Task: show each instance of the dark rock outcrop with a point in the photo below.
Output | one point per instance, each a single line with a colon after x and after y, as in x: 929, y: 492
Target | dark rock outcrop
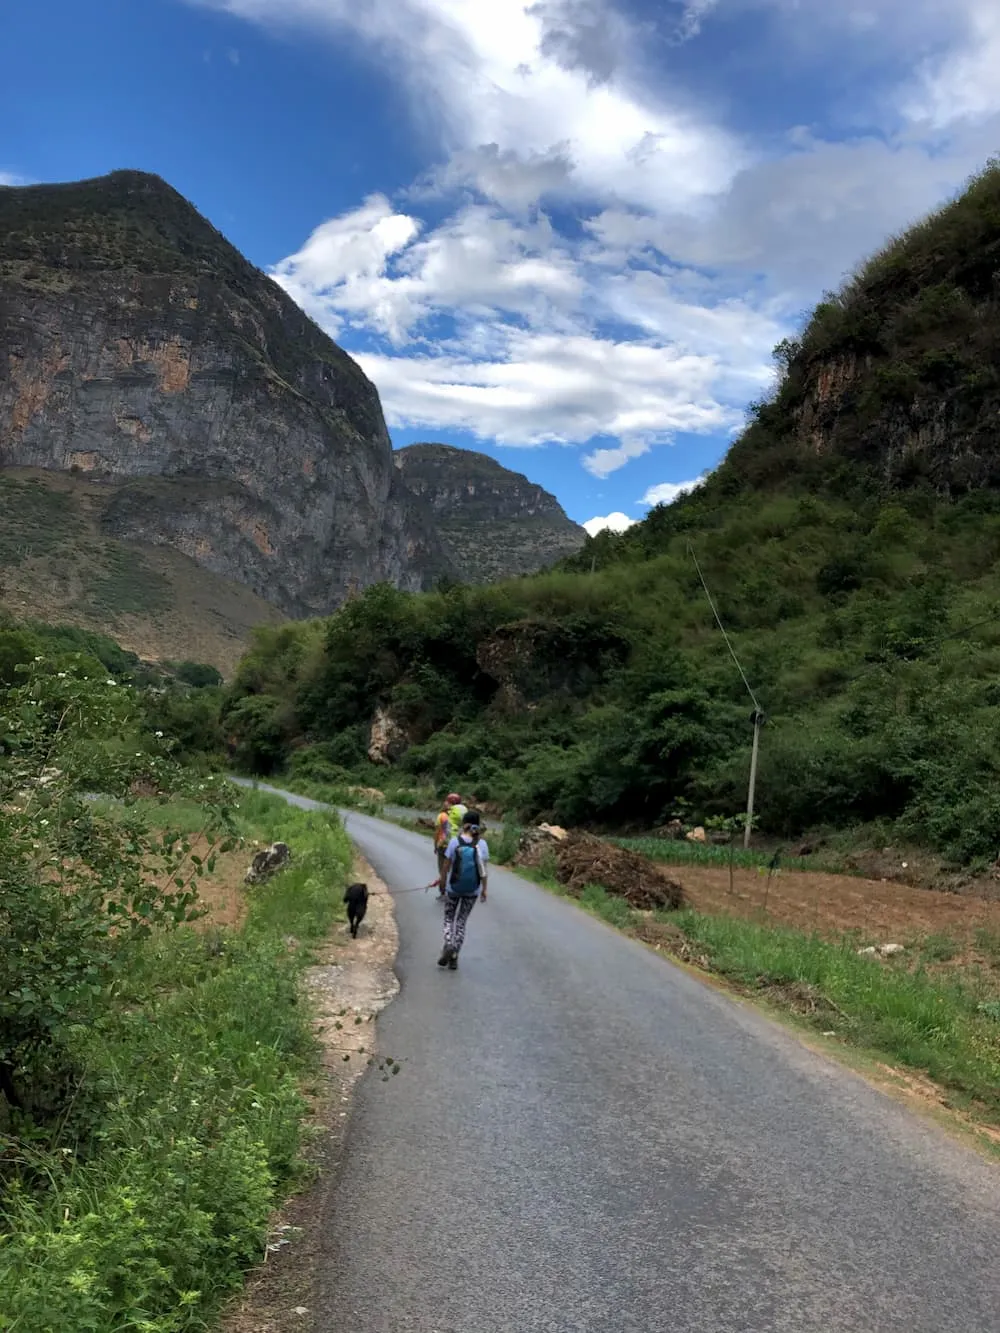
x: 896, y: 377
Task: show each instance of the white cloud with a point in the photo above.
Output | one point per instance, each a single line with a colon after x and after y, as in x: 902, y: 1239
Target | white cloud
x: 616, y: 522
x: 669, y: 491
x: 532, y: 356
x: 342, y: 268
x: 9, y: 178
x: 369, y: 266
x: 551, y: 388
x: 796, y: 223
x: 695, y: 11
x: 521, y: 77
x: 514, y: 180
x: 691, y: 252
x: 962, y: 83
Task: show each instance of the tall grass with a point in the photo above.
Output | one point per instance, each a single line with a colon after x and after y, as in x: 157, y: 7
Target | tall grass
x: 195, y: 1079
x: 927, y: 1021
x: 680, y: 852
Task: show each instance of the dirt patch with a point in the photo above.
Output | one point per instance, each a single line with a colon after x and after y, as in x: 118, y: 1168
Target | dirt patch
x: 581, y: 859
x: 222, y: 894
x: 350, y: 983
x: 918, y: 1089
x: 876, y: 911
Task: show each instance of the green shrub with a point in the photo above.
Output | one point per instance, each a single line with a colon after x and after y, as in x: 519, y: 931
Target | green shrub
x: 197, y: 1112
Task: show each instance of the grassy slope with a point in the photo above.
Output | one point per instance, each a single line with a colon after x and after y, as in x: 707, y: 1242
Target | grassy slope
x: 58, y: 566
x: 202, y: 1066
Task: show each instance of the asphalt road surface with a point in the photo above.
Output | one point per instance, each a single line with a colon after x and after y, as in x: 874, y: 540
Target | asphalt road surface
x: 586, y: 1139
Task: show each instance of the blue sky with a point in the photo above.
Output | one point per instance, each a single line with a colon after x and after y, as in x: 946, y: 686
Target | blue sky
x: 568, y: 232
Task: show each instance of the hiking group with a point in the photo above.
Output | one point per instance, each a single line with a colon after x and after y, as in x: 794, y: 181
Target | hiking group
x: 462, y: 857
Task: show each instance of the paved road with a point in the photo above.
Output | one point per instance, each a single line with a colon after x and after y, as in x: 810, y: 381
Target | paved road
x: 586, y: 1139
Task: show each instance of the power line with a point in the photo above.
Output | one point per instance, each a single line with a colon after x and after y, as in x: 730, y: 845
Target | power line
x: 758, y: 712
x: 718, y: 621
x: 926, y: 644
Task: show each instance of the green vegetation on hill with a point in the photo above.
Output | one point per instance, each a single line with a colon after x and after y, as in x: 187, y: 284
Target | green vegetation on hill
x: 856, y: 570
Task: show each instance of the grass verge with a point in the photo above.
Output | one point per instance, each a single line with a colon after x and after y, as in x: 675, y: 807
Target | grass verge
x: 680, y: 852
x: 195, y: 1076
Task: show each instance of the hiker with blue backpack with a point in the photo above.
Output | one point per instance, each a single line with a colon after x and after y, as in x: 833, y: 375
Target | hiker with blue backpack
x: 467, y: 859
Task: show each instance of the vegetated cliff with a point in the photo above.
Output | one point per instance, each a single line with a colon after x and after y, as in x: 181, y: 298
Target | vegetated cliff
x: 140, y: 349
x: 491, y: 521
x: 899, y: 372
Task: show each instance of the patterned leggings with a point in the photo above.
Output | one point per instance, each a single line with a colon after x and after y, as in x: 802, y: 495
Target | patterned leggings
x: 457, y: 907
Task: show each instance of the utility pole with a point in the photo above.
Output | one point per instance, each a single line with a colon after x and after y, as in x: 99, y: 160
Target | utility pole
x: 758, y: 721
x: 757, y: 717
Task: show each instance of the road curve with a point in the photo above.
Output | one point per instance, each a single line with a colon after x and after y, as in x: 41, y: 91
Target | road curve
x: 586, y: 1139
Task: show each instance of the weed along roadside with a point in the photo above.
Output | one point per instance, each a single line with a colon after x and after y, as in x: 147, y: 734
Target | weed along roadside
x: 160, y: 1070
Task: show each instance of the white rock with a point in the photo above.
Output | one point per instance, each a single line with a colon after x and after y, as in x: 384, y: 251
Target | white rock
x: 891, y: 950
x: 697, y: 835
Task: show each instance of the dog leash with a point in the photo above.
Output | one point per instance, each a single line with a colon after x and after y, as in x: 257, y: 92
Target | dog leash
x: 419, y: 888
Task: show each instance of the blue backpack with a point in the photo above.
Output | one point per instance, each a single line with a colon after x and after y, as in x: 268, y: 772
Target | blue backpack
x: 464, y: 880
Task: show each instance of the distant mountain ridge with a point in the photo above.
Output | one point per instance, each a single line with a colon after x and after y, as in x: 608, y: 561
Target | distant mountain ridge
x: 491, y: 521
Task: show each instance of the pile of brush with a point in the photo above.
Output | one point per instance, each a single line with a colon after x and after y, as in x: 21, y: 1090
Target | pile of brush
x: 579, y: 859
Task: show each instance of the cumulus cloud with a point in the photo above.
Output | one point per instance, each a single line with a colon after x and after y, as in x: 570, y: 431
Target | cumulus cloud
x: 369, y: 266
x: 582, y: 35
x: 798, y: 222
x: 669, y: 491
x: 616, y: 522
x: 961, y: 83
x: 540, y: 344
x: 516, y: 181
x: 599, y: 262
x: 522, y: 77
x: 548, y: 388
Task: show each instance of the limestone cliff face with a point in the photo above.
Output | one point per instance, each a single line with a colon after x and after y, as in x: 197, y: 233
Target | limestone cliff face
x: 138, y: 348
x: 492, y: 522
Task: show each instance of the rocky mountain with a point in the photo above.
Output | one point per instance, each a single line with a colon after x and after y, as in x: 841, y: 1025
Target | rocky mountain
x: 492, y: 522
x: 209, y: 417
x: 138, y: 348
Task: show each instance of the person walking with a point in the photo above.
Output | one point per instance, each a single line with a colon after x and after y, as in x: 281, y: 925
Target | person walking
x: 446, y: 826
x: 467, y: 860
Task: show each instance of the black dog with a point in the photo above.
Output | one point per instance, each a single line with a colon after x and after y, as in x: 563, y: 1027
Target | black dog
x: 356, y: 898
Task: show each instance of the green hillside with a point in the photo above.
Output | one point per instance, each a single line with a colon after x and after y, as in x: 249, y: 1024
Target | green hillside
x: 59, y: 563
x: 851, y: 540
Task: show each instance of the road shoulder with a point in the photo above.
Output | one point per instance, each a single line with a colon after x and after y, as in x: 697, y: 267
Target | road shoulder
x: 347, y: 987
